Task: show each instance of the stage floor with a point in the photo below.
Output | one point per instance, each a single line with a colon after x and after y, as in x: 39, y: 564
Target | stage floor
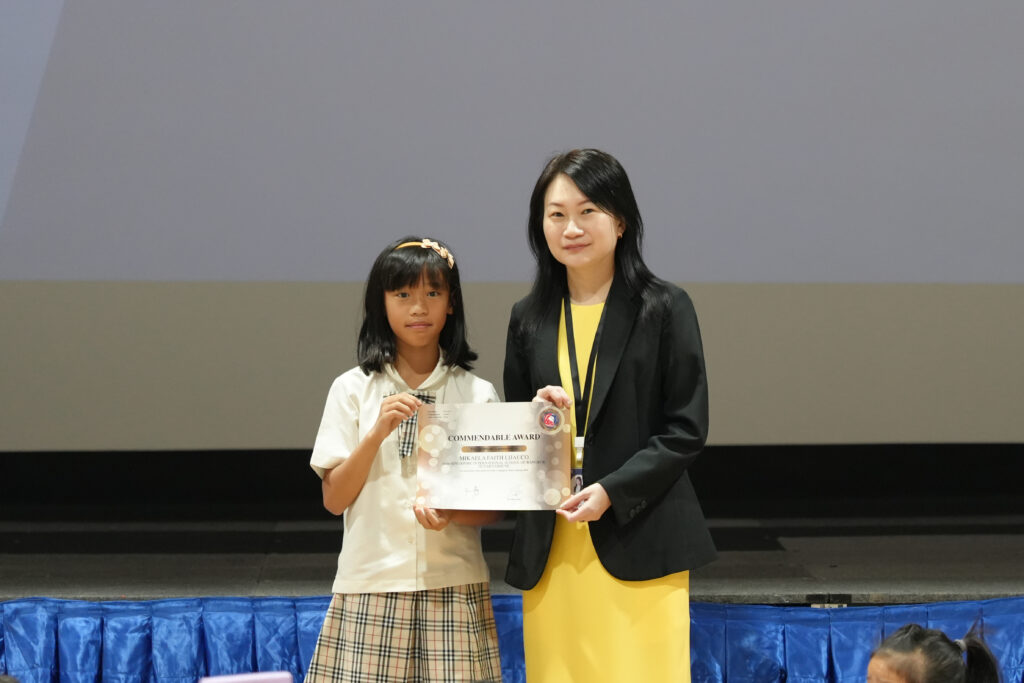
x: 768, y: 561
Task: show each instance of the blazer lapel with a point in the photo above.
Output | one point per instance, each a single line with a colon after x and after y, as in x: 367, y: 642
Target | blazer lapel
x: 620, y: 313
x: 546, y: 345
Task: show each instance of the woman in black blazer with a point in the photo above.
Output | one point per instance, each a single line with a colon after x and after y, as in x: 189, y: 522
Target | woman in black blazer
x: 606, y: 579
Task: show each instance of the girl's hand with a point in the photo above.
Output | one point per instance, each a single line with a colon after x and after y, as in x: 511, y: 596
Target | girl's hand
x: 586, y: 506
x: 432, y: 519
x: 553, y: 394
x: 394, y: 410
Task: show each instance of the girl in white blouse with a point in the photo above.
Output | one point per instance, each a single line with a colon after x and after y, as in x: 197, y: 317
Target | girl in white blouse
x: 411, y: 595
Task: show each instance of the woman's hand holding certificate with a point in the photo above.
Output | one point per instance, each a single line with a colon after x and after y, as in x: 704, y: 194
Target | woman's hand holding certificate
x: 586, y: 506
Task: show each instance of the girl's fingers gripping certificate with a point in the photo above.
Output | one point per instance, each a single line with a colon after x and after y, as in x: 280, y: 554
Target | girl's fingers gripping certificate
x: 493, y: 456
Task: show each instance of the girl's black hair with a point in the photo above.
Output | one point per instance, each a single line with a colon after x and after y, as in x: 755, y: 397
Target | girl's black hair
x: 398, y: 268
x: 603, y: 180
x: 927, y: 655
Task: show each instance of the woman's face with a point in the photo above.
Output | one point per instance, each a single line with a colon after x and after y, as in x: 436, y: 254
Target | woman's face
x: 580, y: 235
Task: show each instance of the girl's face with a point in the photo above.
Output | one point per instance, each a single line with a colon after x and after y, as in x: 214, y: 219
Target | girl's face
x: 879, y: 671
x: 580, y: 235
x: 417, y: 314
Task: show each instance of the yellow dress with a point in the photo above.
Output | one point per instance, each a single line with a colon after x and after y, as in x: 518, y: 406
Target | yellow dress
x: 581, y: 624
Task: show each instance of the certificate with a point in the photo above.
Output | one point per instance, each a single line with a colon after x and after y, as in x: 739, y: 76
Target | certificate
x: 493, y: 456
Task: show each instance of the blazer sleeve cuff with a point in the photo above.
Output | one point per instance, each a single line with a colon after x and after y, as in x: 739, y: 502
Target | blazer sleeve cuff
x: 625, y: 508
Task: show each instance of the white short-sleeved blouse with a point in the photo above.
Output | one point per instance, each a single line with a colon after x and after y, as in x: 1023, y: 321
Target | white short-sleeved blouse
x: 384, y: 548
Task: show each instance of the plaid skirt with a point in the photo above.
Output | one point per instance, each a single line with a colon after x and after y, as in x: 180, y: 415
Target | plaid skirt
x: 443, y: 634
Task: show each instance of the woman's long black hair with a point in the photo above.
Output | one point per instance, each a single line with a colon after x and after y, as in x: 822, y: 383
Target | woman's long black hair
x: 927, y: 655
x: 603, y: 180
x: 396, y: 268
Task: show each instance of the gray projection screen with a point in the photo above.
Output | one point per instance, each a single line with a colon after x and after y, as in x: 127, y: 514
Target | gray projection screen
x: 192, y: 193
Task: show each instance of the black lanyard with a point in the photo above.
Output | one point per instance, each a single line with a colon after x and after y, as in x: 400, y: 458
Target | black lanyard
x: 581, y: 398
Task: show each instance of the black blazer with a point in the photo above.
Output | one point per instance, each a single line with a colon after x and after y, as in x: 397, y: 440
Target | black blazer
x: 649, y: 421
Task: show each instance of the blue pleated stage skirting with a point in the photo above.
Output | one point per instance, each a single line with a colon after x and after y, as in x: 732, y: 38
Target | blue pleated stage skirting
x: 45, y: 640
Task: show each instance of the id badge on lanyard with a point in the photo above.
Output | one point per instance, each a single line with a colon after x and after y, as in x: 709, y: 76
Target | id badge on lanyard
x: 581, y: 395
x: 577, y: 466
